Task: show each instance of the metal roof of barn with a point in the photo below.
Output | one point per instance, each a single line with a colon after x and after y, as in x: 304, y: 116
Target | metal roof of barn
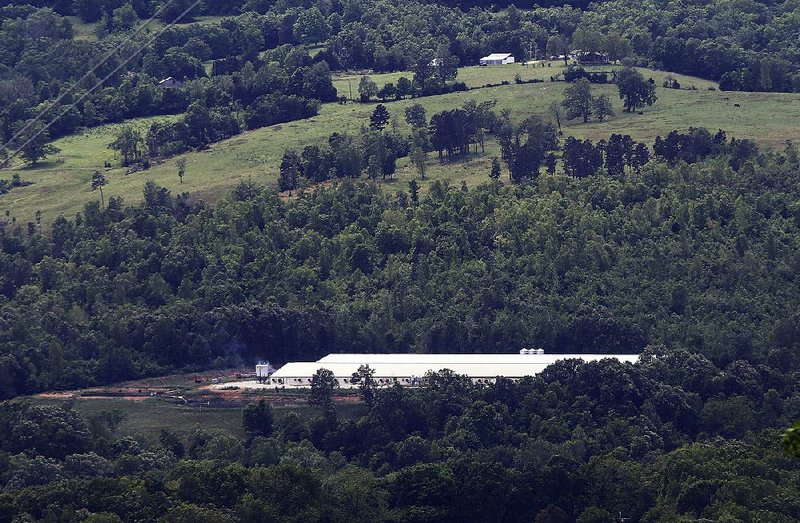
x: 407, y: 365
x: 451, y: 358
x: 496, y: 56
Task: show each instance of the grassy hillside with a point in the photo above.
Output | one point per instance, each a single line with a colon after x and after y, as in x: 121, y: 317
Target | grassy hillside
x: 63, y: 188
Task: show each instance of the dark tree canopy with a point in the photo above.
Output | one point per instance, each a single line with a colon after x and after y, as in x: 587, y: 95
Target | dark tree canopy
x: 323, y: 385
x: 379, y: 118
x: 578, y: 100
x: 524, y: 147
x: 30, y: 141
x: 634, y: 90
x: 257, y: 418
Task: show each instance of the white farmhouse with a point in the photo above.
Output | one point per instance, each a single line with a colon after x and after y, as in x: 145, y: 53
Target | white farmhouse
x: 497, y: 59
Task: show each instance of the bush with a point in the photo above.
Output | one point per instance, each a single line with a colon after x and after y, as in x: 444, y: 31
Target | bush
x: 573, y: 74
x: 257, y: 419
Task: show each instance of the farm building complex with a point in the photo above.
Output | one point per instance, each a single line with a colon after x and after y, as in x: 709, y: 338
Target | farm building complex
x: 497, y: 59
x: 409, y: 369
x: 591, y: 58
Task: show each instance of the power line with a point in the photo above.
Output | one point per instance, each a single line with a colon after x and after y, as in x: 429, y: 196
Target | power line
x: 98, y: 84
x: 90, y: 71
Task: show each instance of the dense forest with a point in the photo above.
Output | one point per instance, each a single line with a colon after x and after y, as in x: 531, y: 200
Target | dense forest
x: 689, y: 251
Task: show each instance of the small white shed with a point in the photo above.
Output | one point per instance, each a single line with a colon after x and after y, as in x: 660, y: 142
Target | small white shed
x: 497, y: 59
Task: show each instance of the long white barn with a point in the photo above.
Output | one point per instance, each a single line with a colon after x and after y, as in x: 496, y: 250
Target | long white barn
x: 409, y: 369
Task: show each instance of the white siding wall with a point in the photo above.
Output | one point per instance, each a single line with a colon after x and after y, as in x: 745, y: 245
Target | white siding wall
x: 408, y: 369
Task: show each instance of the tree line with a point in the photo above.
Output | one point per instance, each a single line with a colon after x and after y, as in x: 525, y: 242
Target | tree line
x: 453, y: 134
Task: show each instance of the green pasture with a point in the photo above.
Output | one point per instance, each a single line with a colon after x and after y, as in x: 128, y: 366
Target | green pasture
x: 62, y: 183
x: 144, y: 419
x: 473, y: 76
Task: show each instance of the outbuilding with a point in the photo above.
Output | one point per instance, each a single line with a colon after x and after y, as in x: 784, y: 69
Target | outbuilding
x: 170, y: 83
x: 497, y: 59
x: 591, y: 58
x: 264, y: 371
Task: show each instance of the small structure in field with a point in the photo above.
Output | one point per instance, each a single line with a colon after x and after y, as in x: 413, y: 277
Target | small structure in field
x: 170, y: 83
x: 497, y: 59
x: 591, y: 58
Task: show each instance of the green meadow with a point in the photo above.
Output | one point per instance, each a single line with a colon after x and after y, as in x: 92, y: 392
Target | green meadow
x: 62, y: 183
x: 146, y: 418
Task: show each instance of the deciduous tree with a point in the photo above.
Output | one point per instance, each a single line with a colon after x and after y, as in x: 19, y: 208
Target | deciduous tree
x: 311, y: 27
x: 291, y: 170
x: 524, y: 147
x: 419, y: 157
x: 416, y: 117
x: 364, y: 377
x: 124, y: 18
x: 31, y: 141
x: 578, y: 100
x: 495, y: 172
x: 634, y: 90
x: 602, y: 108
x: 128, y: 141
x: 181, y: 164
x: 367, y: 88
x: 323, y: 385
x: 257, y: 419
x: 380, y: 117
x: 404, y: 87
x: 556, y: 111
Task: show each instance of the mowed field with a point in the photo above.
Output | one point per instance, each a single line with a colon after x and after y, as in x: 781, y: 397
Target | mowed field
x: 63, y: 187
x: 146, y: 418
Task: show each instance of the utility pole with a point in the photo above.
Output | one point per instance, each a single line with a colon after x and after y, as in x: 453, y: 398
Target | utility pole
x: 533, y: 51
x: 201, y: 410
x: 350, y: 88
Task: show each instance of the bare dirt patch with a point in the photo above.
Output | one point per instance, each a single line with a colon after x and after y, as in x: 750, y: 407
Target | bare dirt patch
x: 230, y: 388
